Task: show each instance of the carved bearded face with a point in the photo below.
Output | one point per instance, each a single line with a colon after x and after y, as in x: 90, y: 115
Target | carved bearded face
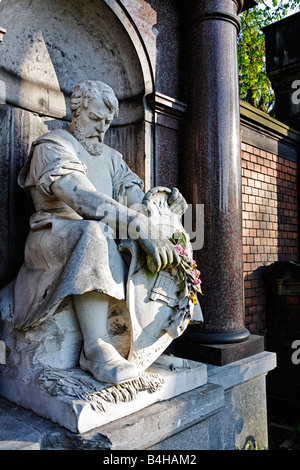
x: 92, y: 124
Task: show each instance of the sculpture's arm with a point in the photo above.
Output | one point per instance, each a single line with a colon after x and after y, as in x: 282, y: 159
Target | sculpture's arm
x: 79, y: 193
x: 134, y: 195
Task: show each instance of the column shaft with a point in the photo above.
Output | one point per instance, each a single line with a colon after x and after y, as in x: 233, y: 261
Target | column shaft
x: 212, y: 166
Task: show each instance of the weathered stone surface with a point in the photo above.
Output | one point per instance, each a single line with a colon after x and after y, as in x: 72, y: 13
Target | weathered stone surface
x: 80, y: 404
x: 138, y: 431
x: 229, y: 411
x: 51, y: 51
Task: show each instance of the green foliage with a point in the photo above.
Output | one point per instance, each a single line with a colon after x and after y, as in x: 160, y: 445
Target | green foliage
x: 179, y: 238
x: 255, y: 86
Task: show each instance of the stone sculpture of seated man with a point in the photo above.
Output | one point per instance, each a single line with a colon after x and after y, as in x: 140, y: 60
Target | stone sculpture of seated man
x: 75, y: 181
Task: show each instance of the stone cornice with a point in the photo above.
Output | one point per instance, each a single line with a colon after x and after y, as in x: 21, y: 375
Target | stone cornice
x: 268, y: 123
x: 266, y: 133
x: 166, y: 105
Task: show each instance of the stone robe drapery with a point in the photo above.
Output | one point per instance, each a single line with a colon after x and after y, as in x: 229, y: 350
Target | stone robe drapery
x: 65, y: 254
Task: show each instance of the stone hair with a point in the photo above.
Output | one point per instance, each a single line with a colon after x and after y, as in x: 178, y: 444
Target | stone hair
x: 89, y: 90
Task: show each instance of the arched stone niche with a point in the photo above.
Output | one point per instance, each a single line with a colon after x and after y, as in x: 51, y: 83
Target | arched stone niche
x: 49, y: 47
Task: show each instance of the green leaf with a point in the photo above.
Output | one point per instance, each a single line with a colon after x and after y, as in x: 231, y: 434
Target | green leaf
x: 255, y: 86
x: 179, y: 238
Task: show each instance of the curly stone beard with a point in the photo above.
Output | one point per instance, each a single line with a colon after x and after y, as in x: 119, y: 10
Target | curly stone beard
x: 93, y: 149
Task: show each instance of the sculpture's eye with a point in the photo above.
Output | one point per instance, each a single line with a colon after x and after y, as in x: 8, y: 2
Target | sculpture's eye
x: 93, y: 117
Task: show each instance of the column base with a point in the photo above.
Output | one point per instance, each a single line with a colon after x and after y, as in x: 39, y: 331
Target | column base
x: 218, y: 354
x: 203, y: 336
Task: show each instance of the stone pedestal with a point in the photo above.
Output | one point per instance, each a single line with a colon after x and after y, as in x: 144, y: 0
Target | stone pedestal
x: 228, y: 412
x: 80, y: 404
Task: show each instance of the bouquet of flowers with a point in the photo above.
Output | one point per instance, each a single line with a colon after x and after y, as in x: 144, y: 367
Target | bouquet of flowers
x: 190, y: 275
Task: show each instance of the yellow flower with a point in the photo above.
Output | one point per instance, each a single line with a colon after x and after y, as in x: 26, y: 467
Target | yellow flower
x: 193, y: 299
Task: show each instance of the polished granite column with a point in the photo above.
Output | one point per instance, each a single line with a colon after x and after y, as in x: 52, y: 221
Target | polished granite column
x: 211, y: 169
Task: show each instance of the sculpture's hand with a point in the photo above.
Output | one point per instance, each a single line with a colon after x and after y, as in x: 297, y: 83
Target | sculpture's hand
x: 161, y: 253
x: 176, y: 201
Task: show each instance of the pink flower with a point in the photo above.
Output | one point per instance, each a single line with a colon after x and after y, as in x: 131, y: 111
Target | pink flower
x: 178, y: 248
x: 196, y: 282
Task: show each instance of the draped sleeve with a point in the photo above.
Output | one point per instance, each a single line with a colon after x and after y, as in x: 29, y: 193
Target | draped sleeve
x: 123, y: 178
x: 49, y: 161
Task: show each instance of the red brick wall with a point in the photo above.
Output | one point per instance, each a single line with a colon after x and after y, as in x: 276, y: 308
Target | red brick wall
x: 270, y: 224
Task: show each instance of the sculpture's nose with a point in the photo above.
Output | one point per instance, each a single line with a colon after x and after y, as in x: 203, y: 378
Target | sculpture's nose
x: 101, y: 127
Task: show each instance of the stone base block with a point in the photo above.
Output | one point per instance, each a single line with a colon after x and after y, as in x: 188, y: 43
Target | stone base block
x: 138, y: 431
x: 228, y: 412
x: 219, y: 354
x: 79, y: 403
